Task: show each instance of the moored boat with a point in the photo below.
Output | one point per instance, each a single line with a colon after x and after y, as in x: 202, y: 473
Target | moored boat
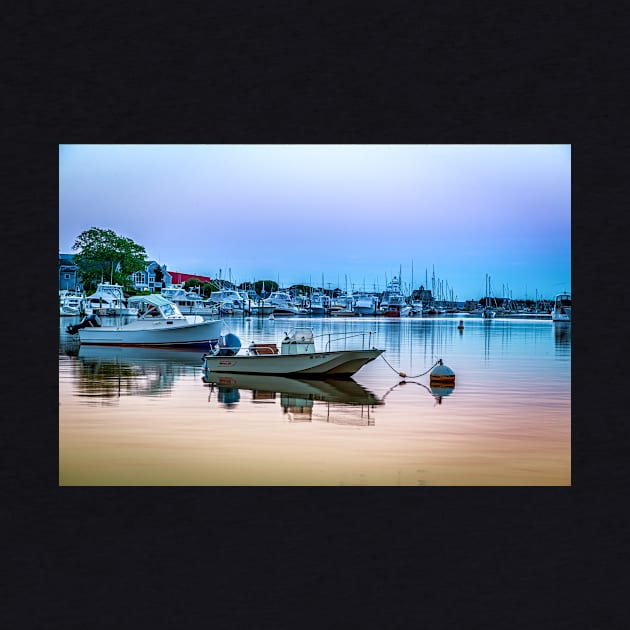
x: 71, y: 303
x: 365, y: 304
x: 393, y: 303
x: 561, y: 308
x: 108, y: 299
x: 162, y: 325
x: 297, y: 356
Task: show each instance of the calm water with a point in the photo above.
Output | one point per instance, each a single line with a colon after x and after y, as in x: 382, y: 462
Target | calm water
x: 146, y: 417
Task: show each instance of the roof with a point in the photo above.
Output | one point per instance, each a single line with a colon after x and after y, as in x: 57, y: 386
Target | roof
x: 179, y: 278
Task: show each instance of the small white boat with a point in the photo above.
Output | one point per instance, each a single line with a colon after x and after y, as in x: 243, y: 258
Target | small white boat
x: 189, y: 302
x: 317, y: 304
x: 297, y: 356
x: 561, y: 308
x: 161, y: 324
x: 365, y: 304
x: 282, y: 303
x: 108, y: 299
x: 71, y: 304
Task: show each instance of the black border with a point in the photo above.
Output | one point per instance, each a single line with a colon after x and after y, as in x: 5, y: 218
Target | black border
x: 448, y: 73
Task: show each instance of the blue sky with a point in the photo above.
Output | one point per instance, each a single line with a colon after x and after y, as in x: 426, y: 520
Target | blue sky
x: 354, y: 214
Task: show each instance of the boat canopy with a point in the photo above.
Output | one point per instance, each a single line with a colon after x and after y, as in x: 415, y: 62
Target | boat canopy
x: 153, y: 299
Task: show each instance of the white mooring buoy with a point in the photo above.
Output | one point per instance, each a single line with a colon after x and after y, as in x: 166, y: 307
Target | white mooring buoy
x: 442, y: 375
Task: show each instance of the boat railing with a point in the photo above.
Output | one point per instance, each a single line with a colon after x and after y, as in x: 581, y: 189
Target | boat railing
x: 332, y: 338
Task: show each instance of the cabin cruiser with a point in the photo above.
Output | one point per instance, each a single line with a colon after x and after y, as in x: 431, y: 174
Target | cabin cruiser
x: 393, y: 302
x: 71, y: 303
x: 108, y: 299
x: 159, y: 323
x: 561, y: 308
x: 282, y: 303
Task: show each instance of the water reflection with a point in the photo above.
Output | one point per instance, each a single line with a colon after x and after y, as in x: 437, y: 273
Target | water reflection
x: 562, y: 333
x: 107, y: 373
x: 299, y: 398
x: 437, y: 391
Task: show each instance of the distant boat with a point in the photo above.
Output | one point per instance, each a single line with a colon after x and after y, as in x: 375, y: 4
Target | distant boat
x: 365, y: 304
x: 393, y: 302
x: 108, y: 299
x: 561, y: 308
x: 71, y: 303
x: 487, y: 312
x: 317, y: 303
x: 282, y: 303
x: 161, y: 325
x: 189, y: 302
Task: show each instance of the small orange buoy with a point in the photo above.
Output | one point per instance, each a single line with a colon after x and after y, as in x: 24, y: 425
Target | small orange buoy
x: 461, y: 325
x: 442, y: 375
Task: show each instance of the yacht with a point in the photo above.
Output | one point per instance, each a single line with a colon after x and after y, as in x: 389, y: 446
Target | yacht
x: 393, y: 302
x: 365, y: 304
x: 71, y: 303
x: 282, y: 303
x: 561, y: 308
x: 108, y: 299
x: 188, y: 302
x: 317, y: 304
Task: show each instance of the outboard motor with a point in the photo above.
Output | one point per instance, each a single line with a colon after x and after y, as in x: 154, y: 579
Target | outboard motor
x: 229, y: 345
x: 87, y: 321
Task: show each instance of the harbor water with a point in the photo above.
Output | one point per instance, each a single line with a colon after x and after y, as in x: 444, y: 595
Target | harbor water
x: 145, y: 416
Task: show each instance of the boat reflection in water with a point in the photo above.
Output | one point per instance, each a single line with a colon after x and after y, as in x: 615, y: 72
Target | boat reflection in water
x: 109, y: 372
x: 299, y: 398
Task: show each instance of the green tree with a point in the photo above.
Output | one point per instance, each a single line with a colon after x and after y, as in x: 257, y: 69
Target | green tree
x: 104, y: 255
x: 207, y: 288
x: 270, y: 285
x: 192, y: 283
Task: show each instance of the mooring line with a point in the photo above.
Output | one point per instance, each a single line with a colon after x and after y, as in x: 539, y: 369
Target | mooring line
x: 403, y: 374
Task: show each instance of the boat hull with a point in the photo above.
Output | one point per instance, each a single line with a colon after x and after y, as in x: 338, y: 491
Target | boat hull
x: 341, y: 364
x: 161, y: 334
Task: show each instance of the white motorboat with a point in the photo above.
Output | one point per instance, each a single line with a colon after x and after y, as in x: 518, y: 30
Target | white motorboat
x: 561, y: 308
x: 365, y: 304
x: 108, y: 299
x: 393, y: 302
x: 71, y: 303
x: 317, y: 304
x: 189, y: 302
x: 297, y: 356
x: 229, y: 301
x: 161, y: 324
x: 282, y: 303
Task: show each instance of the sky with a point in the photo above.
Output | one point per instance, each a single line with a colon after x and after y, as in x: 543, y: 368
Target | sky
x: 348, y: 216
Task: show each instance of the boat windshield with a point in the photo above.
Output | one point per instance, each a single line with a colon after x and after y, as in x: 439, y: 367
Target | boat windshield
x: 168, y: 310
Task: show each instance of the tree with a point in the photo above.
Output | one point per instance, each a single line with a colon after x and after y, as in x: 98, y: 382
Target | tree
x: 270, y: 285
x: 104, y: 255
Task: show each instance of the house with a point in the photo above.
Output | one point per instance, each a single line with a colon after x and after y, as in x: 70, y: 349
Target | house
x: 153, y: 277
x: 69, y: 279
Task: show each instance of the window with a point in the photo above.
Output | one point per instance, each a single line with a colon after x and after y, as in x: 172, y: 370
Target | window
x: 67, y: 276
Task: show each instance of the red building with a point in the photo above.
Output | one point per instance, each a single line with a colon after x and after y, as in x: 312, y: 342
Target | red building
x: 180, y: 278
